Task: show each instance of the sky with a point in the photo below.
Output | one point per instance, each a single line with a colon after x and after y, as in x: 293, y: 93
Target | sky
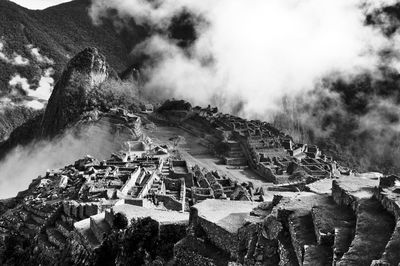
x: 249, y: 55
x: 39, y: 4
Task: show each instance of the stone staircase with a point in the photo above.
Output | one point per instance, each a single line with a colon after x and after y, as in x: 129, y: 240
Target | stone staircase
x: 235, y: 156
x: 155, y: 187
x: 328, y: 218
x: 320, y: 231
x: 165, y: 170
x: 332, y: 234
x: 173, y: 193
x: 376, y: 238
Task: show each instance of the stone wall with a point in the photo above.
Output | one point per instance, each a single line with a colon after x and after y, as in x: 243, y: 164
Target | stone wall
x: 172, y: 184
x: 342, y: 197
x: 389, y: 204
x: 171, y: 203
x: 80, y: 210
x: 131, y: 182
x: 221, y: 238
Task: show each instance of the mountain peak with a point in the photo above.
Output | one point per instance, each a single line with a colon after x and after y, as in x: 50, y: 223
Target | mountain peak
x: 83, y: 74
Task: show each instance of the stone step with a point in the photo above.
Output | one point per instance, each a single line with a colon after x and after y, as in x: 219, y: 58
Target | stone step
x: 235, y: 154
x: 373, y: 230
x: 56, y: 237
x: 329, y: 216
x: 175, y: 194
x: 391, y: 255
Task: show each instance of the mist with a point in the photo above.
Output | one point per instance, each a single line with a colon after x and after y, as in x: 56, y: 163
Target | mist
x: 327, y: 72
x: 24, y: 163
x: 33, y: 95
x: 252, y: 54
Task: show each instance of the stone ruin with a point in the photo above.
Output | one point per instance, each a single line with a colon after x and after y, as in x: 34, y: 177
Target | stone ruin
x: 312, y: 211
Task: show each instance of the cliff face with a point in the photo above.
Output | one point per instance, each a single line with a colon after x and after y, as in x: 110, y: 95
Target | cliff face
x: 83, y: 74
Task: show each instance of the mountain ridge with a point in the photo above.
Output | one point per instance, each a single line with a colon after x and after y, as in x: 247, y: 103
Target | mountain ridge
x: 57, y: 34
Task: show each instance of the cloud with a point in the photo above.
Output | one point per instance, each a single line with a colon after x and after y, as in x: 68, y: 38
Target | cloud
x: 17, y: 80
x: 36, y: 97
x: 46, y: 84
x: 252, y: 53
x: 15, y: 59
x: 32, y: 98
x: 35, y: 52
x: 19, y: 60
x: 25, y: 163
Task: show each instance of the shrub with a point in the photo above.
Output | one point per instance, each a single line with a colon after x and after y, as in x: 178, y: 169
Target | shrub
x: 115, y: 93
x: 120, y: 221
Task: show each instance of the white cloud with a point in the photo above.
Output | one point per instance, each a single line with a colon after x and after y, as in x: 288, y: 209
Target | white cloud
x: 260, y: 50
x: 16, y: 59
x: 20, y: 60
x: 34, y: 104
x: 38, y: 96
x: 35, y: 52
x: 45, y: 88
x: 17, y: 80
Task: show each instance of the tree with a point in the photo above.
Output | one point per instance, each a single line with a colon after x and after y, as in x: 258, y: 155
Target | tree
x: 141, y: 241
x: 120, y: 221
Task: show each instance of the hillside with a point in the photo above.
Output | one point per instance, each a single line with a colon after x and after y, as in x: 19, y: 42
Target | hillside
x: 35, y: 45
x: 59, y: 32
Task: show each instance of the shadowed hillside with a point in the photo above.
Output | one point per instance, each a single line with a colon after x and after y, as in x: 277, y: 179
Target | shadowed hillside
x: 56, y: 34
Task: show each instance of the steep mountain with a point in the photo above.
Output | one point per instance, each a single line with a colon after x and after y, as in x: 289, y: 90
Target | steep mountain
x: 35, y: 45
x: 59, y: 32
x: 73, y: 91
x: 82, y: 99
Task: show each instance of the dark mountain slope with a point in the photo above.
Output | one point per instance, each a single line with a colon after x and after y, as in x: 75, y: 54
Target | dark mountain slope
x: 59, y: 32
x: 87, y: 88
x: 74, y: 90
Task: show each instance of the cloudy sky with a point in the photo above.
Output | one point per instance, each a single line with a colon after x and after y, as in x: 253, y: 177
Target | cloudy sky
x: 39, y: 4
x: 249, y: 55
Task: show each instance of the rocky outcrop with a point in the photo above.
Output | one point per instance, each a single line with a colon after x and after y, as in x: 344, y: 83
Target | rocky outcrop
x: 72, y: 93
